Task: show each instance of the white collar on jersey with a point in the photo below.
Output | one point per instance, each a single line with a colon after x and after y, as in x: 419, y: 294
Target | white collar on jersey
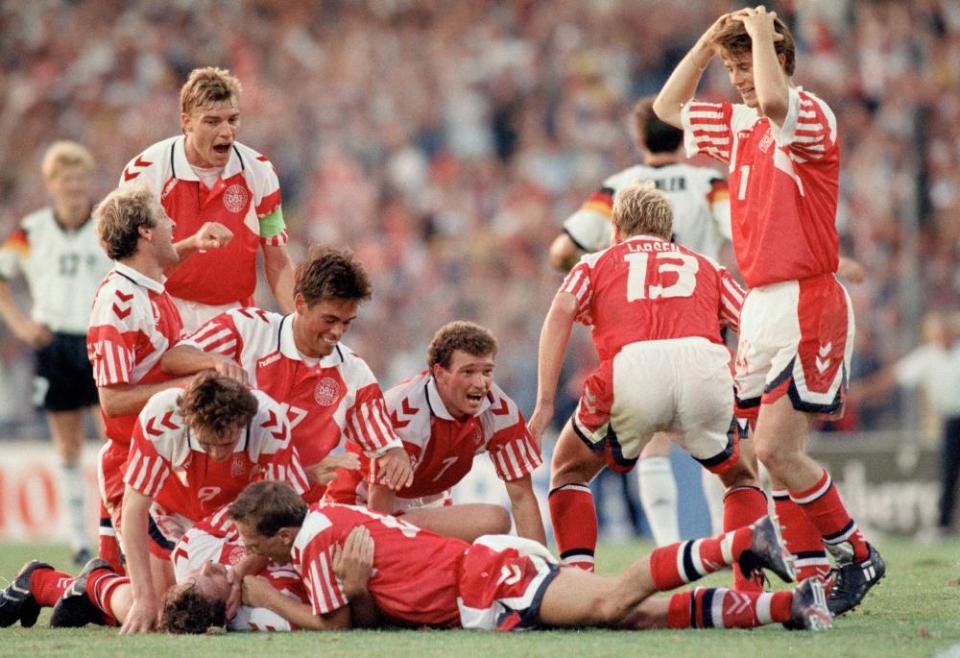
x: 138, y: 277
x: 184, y: 170
x: 435, y: 402
x: 288, y: 347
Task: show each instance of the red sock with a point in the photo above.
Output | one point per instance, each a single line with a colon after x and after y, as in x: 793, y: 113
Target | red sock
x: 741, y: 507
x: 108, y: 548
x: 801, y: 538
x: 574, y: 524
x: 823, y: 507
x: 674, y: 565
x: 48, y: 585
x: 723, y: 608
x: 101, y: 585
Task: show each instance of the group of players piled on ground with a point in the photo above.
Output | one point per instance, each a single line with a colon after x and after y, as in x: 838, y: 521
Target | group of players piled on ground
x: 219, y: 479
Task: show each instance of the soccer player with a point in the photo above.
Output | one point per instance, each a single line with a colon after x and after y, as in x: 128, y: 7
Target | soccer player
x: 701, y: 222
x: 203, y: 175
x: 57, y: 251
x: 796, y: 337
x: 214, y: 438
x: 511, y: 583
x: 132, y: 322
x: 445, y: 416
x: 656, y: 310
x: 328, y: 392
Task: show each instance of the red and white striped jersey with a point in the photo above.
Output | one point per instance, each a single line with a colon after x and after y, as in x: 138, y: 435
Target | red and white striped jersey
x: 415, y: 572
x: 132, y: 323
x: 442, y: 448
x: 783, y: 182
x: 207, y: 542
x: 698, y: 196
x: 326, y: 399
x: 646, y: 288
x: 163, y: 444
x: 246, y: 199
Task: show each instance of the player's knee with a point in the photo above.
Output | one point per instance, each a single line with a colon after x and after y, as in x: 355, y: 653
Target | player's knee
x: 497, y: 520
x: 777, y: 458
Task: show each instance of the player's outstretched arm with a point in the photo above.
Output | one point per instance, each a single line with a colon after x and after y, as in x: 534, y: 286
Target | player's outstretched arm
x: 553, y: 345
x: 143, y: 613
x: 188, y: 360
x: 682, y: 83
x: 126, y: 399
x: 526, y: 509
x: 278, y: 268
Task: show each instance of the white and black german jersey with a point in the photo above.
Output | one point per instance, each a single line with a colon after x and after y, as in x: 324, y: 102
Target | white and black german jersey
x: 63, y: 268
x: 701, y: 207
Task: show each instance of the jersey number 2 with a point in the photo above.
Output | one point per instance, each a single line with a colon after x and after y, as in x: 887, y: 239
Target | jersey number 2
x: 685, y: 270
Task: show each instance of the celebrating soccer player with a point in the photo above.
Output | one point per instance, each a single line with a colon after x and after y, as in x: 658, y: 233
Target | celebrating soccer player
x: 796, y: 333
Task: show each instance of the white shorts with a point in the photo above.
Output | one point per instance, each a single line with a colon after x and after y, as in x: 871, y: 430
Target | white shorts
x: 681, y: 386
x: 194, y: 314
x: 796, y: 338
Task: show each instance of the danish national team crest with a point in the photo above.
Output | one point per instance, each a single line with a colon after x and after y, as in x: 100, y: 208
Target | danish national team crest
x: 326, y: 392
x: 235, y: 198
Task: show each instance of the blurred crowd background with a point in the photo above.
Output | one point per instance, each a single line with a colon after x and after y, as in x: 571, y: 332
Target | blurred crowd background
x: 445, y: 141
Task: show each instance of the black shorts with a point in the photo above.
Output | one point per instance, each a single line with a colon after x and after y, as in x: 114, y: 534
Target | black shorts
x: 64, y: 379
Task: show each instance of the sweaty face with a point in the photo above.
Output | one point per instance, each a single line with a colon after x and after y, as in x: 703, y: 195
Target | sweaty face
x: 317, y: 328
x: 218, y: 447
x: 71, y: 189
x: 740, y: 70
x: 273, y: 548
x: 464, y: 385
x: 210, y: 580
x: 211, y: 131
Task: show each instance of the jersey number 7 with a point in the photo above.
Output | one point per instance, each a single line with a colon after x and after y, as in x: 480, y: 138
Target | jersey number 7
x: 684, y: 266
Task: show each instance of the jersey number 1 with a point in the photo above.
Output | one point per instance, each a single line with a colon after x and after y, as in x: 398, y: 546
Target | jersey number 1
x: 686, y: 271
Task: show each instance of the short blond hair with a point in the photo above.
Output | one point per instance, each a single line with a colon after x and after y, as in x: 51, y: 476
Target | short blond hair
x: 120, y: 216
x: 642, y: 209
x: 65, y: 153
x: 208, y: 86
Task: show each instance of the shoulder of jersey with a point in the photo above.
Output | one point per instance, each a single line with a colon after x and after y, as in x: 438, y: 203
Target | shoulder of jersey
x: 152, y: 156
x: 160, y: 417
x: 627, y: 176
x: 37, y: 220
x: 255, y: 317
x: 411, y: 388
x: 254, y: 161
x: 502, y: 410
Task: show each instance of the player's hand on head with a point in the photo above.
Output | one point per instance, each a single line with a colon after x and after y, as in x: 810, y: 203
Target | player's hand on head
x: 325, y: 471
x: 142, y: 617
x: 758, y: 22
x: 256, y: 591
x: 212, y: 235
x: 396, y: 471
x: 232, y: 369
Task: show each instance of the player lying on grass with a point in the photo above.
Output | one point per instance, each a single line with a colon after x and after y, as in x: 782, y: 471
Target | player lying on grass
x: 503, y: 582
x: 203, y: 561
x: 446, y: 416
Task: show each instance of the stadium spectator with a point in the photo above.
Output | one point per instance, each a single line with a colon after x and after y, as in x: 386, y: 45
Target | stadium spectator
x: 445, y: 416
x: 656, y: 310
x: 796, y: 337
x: 56, y: 249
x: 206, y: 175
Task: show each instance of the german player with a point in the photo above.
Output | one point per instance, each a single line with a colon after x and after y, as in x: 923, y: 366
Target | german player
x: 57, y: 252
x: 656, y: 310
x: 205, y: 175
x: 328, y: 392
x: 133, y: 321
x: 445, y: 416
x: 701, y: 221
x: 192, y: 452
x: 507, y: 583
x: 796, y: 338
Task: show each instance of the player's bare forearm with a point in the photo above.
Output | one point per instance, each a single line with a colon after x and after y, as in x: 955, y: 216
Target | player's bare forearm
x: 278, y: 268
x: 564, y: 253
x: 33, y: 333
x: 526, y: 509
x: 554, y: 337
x: 125, y: 399
x: 301, y: 615
x: 380, y: 499
x: 136, y: 508
x: 682, y: 83
x: 186, y: 360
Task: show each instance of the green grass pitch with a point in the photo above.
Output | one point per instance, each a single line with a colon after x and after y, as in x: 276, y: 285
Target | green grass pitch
x: 915, y: 611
